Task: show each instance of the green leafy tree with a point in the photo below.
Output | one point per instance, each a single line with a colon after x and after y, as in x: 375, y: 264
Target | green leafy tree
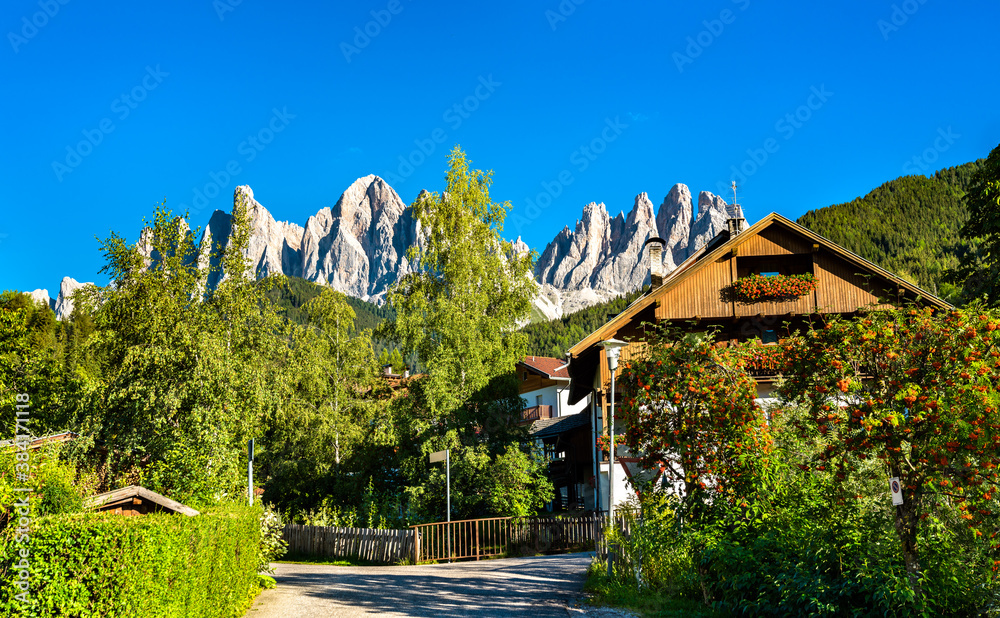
x: 317, y: 446
x: 689, y: 409
x: 396, y: 360
x: 915, y: 393
x: 188, y: 375
x: 460, y: 308
x: 45, y: 359
x: 460, y: 311
x: 979, y: 271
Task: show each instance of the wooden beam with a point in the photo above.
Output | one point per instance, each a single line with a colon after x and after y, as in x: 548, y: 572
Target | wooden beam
x: 815, y: 293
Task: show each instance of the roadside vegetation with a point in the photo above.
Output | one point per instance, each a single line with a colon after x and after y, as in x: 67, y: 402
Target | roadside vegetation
x: 787, y: 511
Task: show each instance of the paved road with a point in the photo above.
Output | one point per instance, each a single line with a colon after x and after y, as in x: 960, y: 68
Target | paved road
x: 541, y: 586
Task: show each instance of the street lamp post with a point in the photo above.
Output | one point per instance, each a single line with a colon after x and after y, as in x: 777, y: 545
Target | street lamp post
x: 250, y: 470
x: 612, y: 349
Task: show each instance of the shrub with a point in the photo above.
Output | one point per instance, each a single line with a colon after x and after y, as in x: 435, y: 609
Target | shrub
x: 52, y: 483
x: 272, y: 542
x: 152, y: 565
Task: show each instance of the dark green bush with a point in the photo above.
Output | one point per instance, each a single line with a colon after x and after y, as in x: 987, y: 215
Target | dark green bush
x: 153, y: 565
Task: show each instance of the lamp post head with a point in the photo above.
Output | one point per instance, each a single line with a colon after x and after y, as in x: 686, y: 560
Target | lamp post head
x: 612, y: 348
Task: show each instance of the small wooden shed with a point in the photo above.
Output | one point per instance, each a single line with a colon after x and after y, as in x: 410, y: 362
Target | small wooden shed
x: 136, y: 500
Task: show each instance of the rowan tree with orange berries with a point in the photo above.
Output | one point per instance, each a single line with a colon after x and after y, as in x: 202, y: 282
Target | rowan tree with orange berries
x: 916, y: 390
x: 689, y: 409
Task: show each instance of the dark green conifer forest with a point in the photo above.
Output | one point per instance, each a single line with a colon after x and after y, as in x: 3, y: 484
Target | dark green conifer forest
x: 909, y: 226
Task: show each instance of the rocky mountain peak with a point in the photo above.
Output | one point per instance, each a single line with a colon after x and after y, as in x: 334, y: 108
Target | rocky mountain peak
x: 64, y: 303
x: 42, y: 296
x: 359, y: 245
x: 602, y: 258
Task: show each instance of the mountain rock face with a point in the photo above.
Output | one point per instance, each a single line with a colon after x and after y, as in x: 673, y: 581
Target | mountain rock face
x: 359, y: 246
x: 64, y: 303
x: 42, y: 296
x: 603, y: 257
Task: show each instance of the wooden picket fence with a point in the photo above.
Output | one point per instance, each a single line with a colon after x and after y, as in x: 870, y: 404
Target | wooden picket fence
x: 372, y: 545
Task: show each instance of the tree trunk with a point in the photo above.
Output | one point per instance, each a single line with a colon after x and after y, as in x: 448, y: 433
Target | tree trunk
x: 907, y: 517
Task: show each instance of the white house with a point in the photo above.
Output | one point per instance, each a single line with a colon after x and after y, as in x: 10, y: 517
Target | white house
x: 544, y: 382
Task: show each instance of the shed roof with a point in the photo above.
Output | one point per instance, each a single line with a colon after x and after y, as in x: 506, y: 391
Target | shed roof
x: 40, y: 441
x: 136, y: 491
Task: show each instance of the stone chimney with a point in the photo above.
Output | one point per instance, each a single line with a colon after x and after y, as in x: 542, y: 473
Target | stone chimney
x: 656, y: 245
x: 387, y: 369
x: 736, y: 223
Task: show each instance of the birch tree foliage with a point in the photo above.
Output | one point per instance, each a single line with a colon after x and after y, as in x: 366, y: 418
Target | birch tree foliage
x: 332, y: 414
x: 187, y: 373
x: 470, y: 290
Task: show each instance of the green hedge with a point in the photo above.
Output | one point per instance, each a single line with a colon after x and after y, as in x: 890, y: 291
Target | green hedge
x: 153, y: 565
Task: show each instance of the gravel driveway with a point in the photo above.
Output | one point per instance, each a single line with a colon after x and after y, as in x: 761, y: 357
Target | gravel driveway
x: 539, y: 586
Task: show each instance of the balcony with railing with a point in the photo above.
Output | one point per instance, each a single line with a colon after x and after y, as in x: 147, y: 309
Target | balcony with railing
x: 761, y: 361
x: 535, y: 413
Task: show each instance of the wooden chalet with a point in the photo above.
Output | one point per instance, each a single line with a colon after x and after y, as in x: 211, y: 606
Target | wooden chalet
x: 699, y: 294
x: 543, y: 382
x: 136, y: 500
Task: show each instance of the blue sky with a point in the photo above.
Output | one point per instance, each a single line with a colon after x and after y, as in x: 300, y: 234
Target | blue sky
x: 111, y: 107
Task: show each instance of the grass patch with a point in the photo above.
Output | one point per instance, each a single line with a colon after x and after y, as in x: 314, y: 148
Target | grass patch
x: 647, y: 603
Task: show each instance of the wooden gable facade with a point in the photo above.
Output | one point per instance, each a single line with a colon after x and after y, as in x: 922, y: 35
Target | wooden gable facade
x: 699, y: 295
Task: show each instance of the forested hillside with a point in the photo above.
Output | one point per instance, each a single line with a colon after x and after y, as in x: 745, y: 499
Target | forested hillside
x: 295, y: 292
x: 908, y: 225
x: 555, y: 337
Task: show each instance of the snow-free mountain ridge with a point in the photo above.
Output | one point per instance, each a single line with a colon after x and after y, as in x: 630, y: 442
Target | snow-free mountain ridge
x: 359, y: 246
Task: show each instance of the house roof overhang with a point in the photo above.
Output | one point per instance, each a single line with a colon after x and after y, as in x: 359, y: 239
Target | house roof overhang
x: 545, y: 366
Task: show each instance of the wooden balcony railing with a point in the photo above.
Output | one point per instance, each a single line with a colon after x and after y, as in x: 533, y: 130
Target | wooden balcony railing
x: 762, y: 360
x: 535, y: 413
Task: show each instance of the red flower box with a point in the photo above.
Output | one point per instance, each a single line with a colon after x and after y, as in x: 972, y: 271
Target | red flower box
x: 756, y: 288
